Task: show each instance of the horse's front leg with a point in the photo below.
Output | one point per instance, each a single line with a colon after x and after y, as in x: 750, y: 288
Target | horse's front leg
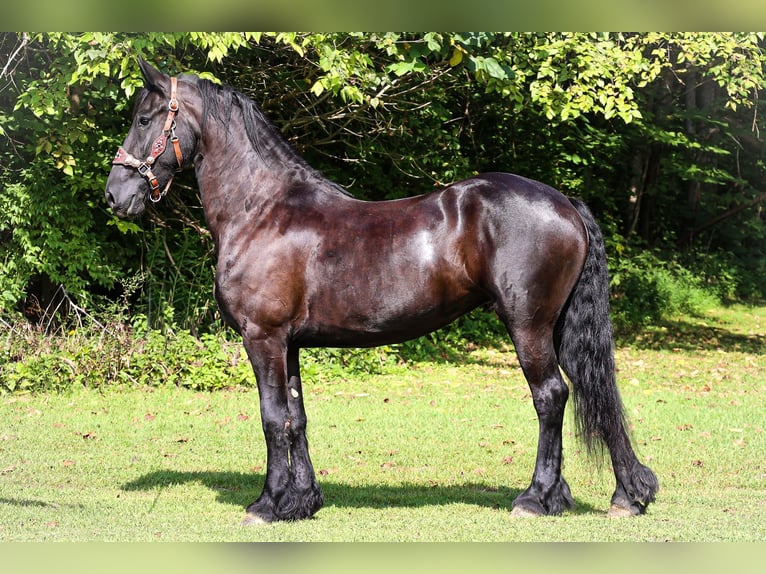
x: 290, y: 491
x: 304, y: 497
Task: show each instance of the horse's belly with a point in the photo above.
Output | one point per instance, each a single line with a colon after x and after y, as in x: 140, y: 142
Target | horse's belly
x: 349, y: 326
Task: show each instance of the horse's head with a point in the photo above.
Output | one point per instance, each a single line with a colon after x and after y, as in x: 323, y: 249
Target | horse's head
x: 160, y: 142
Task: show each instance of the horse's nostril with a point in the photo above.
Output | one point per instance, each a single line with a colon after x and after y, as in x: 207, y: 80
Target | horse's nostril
x: 109, y: 198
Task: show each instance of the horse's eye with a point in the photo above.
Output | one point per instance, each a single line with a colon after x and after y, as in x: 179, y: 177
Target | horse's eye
x: 143, y: 121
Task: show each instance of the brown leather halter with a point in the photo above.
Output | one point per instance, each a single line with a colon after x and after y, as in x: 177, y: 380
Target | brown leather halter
x: 158, y: 147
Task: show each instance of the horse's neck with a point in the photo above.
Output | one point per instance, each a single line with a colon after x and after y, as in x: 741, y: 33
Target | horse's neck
x: 236, y: 177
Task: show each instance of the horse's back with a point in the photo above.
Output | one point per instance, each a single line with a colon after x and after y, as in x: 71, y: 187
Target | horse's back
x: 519, y: 217
x: 519, y: 198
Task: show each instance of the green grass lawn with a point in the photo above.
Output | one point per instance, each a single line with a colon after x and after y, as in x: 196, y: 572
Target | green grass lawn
x: 426, y: 452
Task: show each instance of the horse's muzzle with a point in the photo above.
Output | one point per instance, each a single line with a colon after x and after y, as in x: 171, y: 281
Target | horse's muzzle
x: 132, y: 207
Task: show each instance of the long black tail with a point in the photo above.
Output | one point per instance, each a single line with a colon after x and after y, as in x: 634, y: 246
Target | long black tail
x: 584, y: 341
x: 584, y: 338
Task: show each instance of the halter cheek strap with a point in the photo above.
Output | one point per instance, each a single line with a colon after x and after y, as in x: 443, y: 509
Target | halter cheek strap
x: 144, y: 167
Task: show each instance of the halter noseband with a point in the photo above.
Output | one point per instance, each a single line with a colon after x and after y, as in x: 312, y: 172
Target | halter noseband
x: 145, y: 167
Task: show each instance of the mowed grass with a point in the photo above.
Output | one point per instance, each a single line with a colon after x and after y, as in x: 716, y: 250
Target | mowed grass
x: 433, y: 451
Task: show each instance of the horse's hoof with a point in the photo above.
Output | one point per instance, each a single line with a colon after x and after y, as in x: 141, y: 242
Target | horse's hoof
x: 616, y: 511
x: 522, y: 512
x: 252, y: 519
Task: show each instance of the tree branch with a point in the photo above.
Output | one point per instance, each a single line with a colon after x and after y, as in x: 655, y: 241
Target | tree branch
x: 726, y: 215
x: 24, y: 41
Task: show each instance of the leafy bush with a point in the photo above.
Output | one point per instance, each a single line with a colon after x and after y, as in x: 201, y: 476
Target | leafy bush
x: 115, y: 353
x: 728, y: 276
x: 118, y: 355
x: 647, y: 289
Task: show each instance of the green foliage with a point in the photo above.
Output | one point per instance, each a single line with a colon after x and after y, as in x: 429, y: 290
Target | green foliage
x: 119, y: 356
x: 91, y: 354
x: 56, y: 238
x: 176, y: 286
x: 658, y: 132
x: 647, y: 288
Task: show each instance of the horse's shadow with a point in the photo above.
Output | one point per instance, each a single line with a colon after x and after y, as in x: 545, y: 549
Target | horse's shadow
x: 241, y: 489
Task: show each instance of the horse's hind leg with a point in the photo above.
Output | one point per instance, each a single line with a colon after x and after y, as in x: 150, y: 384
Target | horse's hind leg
x: 290, y: 491
x: 548, y: 493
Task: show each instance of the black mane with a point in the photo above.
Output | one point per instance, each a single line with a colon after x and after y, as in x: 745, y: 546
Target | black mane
x: 218, y: 101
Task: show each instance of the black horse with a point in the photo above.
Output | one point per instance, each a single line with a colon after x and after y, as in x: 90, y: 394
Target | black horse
x: 301, y: 263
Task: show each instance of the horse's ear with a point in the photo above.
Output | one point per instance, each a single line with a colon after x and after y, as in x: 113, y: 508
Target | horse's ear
x: 153, y: 78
